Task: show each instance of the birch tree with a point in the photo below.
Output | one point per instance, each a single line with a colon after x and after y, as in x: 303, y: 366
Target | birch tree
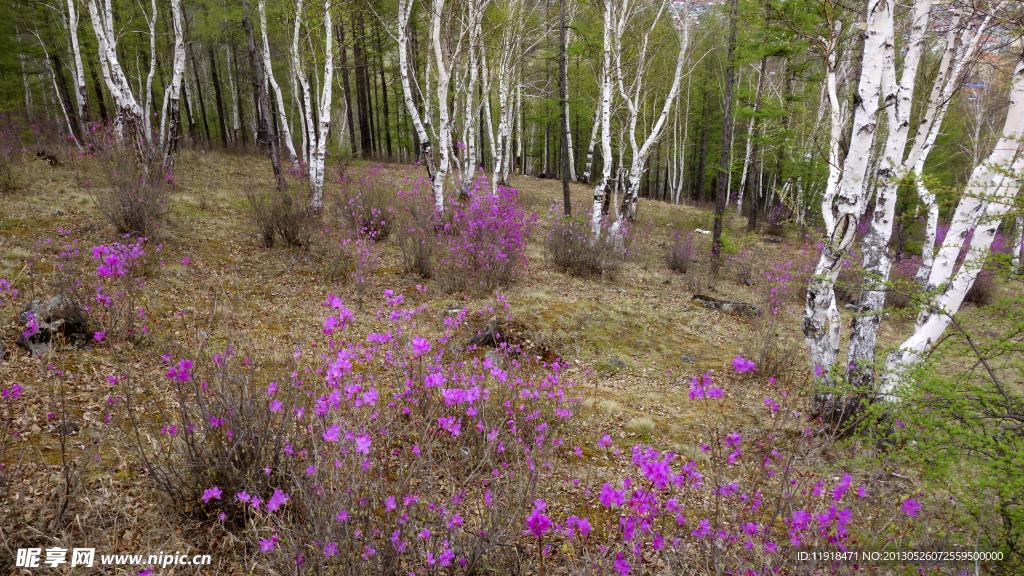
x: 898, y: 96
x: 81, y: 97
x: 844, y: 196
x: 128, y: 112
x: 987, y: 198
x: 633, y: 95
x: 425, y: 152
x: 172, y: 95
x: 269, y: 71
x: 316, y: 176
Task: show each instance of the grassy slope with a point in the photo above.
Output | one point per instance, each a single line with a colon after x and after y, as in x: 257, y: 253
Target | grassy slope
x: 645, y: 318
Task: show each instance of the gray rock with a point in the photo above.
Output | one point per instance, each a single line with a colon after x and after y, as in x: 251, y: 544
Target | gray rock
x: 850, y: 306
x: 748, y: 282
x: 68, y: 429
x: 774, y: 240
x: 55, y: 316
x: 728, y: 306
x: 617, y: 364
x: 687, y: 359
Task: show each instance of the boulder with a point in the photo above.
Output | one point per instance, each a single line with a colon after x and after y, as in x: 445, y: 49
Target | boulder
x: 53, y: 316
x: 727, y: 305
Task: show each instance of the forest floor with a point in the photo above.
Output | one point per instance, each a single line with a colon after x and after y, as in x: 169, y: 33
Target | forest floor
x: 633, y: 342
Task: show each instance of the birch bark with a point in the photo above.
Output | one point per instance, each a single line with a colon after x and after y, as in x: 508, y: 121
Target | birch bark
x: 173, y: 94
x: 987, y: 199
x: 269, y: 71
x: 319, y: 157
x: 821, y: 321
x: 129, y: 112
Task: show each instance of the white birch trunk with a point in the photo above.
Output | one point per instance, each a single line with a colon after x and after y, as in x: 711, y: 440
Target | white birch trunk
x: 746, y: 166
x: 319, y: 157
x: 951, y: 66
x: 987, y: 199
x: 820, y: 322
x: 148, y: 123
x: 593, y: 142
x: 269, y: 71
x: 640, y: 154
x: 875, y: 246
x: 127, y: 108
x: 235, y: 98
x: 606, y: 112
x: 81, y: 97
x: 173, y: 94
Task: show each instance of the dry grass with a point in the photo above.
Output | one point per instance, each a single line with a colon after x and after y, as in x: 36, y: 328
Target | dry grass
x: 275, y: 299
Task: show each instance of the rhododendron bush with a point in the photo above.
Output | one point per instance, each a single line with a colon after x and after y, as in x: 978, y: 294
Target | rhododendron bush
x: 406, y: 452
x: 396, y: 449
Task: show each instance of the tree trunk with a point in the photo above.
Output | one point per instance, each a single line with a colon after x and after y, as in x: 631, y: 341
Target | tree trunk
x: 821, y: 325
x: 563, y: 89
x: 220, y: 105
x: 722, y: 194
x: 81, y: 94
x: 345, y: 83
x: 384, y: 95
x: 173, y: 95
x: 875, y: 246
x: 202, y: 102
x: 266, y: 122
x: 424, y: 152
x: 318, y: 160
x: 365, y: 138
x: 269, y: 70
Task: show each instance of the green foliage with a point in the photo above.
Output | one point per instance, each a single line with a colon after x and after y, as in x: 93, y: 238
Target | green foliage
x: 963, y: 428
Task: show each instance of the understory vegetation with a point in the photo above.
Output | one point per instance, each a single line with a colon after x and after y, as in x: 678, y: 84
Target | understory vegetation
x: 489, y: 391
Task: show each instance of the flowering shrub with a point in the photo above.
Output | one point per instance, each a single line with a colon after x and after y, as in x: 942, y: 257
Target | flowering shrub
x: 365, y: 205
x: 482, y: 244
x: 118, y: 309
x: 682, y: 253
x: 477, y: 244
x: 415, y: 230
x: 573, y: 246
x: 369, y: 455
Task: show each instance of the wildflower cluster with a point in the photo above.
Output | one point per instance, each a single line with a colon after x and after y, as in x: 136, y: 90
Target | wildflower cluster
x: 397, y: 449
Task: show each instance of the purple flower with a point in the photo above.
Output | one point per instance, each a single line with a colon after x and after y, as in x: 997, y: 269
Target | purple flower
x: 211, y: 494
x: 911, y: 507
x: 621, y: 566
x: 277, y: 500
x: 537, y: 521
x: 610, y: 496
x: 842, y: 487
x: 333, y: 433
x: 267, y: 545
x: 800, y: 519
x: 702, y: 529
x: 741, y: 364
x: 420, y: 345
x: 733, y: 439
x: 99, y: 336
x: 330, y: 549
x: 275, y: 405
x: 363, y: 443
x: 605, y: 441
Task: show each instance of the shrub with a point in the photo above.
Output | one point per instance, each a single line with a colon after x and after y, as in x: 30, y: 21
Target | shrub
x: 415, y: 228
x: 277, y: 215
x: 572, y: 245
x: 682, y: 253
x: 776, y: 220
x: 392, y: 453
x: 8, y: 177
x: 482, y: 243
x: 137, y: 198
x: 366, y: 206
